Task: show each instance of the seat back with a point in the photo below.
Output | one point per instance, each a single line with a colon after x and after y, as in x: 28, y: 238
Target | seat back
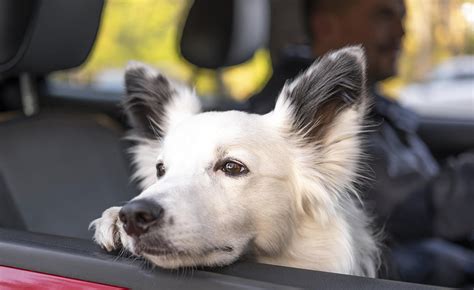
x: 60, y: 167
x: 62, y: 170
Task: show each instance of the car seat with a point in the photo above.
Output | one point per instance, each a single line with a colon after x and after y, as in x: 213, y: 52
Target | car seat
x: 60, y: 165
x: 220, y: 34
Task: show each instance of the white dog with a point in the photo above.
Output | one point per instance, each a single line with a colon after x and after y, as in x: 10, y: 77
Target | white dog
x: 277, y: 187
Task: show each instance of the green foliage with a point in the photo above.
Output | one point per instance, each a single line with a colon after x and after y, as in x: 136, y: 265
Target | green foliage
x: 149, y: 30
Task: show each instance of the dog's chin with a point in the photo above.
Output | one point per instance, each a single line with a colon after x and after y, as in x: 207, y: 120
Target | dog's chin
x: 172, y: 259
x: 164, y: 253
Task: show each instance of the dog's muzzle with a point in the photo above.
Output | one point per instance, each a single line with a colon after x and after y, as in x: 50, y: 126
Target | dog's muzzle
x: 138, y: 216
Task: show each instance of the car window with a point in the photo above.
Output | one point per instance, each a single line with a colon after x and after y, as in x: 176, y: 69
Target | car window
x: 436, y: 68
x: 435, y: 76
x: 148, y: 31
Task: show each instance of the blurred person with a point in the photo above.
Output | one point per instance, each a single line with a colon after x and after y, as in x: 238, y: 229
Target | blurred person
x: 422, y: 206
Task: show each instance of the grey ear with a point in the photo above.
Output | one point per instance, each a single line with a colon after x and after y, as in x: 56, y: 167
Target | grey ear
x: 152, y: 100
x: 332, y: 84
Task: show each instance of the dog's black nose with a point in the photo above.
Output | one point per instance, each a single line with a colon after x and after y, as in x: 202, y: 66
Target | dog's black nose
x: 139, y: 215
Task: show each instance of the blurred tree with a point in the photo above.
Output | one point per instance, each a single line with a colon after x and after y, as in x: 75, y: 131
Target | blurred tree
x: 435, y: 31
x: 148, y: 31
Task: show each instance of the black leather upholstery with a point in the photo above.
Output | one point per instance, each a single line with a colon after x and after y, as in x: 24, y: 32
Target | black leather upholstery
x: 15, y: 17
x: 46, y: 35
x: 224, y: 33
x: 10, y: 217
x: 62, y: 170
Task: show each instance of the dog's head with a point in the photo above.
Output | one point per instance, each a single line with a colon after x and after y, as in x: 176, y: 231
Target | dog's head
x: 218, y: 184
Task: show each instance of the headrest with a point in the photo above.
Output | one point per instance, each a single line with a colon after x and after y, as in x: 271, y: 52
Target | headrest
x: 221, y: 33
x: 46, y: 35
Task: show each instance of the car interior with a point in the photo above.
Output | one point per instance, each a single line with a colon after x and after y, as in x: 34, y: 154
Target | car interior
x: 63, y: 159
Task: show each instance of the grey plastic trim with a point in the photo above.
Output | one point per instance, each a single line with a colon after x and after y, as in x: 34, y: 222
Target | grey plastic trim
x: 81, y: 259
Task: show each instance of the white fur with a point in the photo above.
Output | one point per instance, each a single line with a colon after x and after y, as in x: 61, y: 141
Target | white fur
x: 295, y: 207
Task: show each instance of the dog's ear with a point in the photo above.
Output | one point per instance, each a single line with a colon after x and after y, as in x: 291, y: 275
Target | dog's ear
x: 153, y: 102
x: 322, y: 112
x: 327, y: 88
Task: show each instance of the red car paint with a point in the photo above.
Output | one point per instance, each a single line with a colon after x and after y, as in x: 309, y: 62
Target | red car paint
x: 19, y: 279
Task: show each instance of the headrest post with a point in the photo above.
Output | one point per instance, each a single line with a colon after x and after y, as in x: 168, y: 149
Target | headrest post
x: 29, y: 95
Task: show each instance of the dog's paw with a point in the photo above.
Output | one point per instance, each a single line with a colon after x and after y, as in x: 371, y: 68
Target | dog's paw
x: 107, y: 229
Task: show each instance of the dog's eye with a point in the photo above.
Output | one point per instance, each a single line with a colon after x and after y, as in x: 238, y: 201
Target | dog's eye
x: 233, y: 168
x: 160, y: 170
